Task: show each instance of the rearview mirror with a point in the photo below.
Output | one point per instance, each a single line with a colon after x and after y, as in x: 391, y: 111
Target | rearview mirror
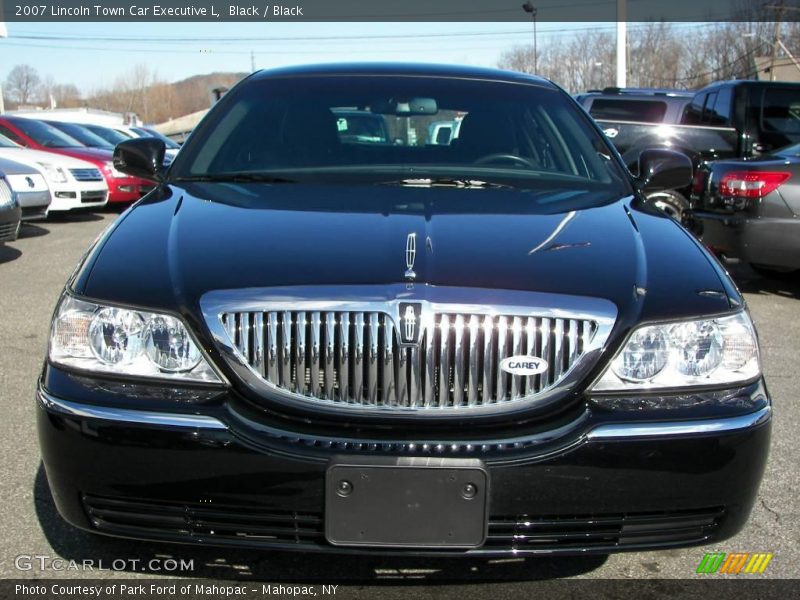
x: 141, y: 157
x: 661, y: 170
x: 405, y: 108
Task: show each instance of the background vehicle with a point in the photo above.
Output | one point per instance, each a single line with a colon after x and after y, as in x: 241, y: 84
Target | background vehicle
x: 38, y: 135
x: 29, y: 188
x: 728, y: 119
x: 750, y: 209
x: 73, y: 183
x: 172, y: 147
x: 10, y: 212
x: 83, y: 135
x: 361, y: 126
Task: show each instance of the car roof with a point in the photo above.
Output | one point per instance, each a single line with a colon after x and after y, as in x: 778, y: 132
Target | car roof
x: 403, y: 69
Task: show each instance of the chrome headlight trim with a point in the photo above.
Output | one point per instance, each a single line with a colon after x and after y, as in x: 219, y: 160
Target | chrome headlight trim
x: 82, y: 358
x: 670, y: 377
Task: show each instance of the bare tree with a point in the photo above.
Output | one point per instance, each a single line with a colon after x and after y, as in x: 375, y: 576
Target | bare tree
x: 22, y: 84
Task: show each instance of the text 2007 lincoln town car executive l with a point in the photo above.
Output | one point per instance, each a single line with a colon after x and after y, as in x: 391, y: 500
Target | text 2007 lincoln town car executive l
x: 310, y: 336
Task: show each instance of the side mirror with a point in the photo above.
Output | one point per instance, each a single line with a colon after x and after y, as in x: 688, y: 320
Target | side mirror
x: 661, y: 170
x: 141, y: 157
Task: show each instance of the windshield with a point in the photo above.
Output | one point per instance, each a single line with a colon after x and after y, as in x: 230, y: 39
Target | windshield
x: 145, y: 132
x: 46, y: 135
x: 7, y: 143
x: 382, y: 127
x: 781, y: 110
x: 109, y: 135
x: 83, y: 135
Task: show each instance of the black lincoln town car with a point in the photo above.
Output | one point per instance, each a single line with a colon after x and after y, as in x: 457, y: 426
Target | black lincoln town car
x: 306, y: 339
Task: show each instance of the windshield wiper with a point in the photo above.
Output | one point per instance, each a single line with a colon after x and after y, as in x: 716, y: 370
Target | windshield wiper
x: 446, y: 182
x: 237, y: 178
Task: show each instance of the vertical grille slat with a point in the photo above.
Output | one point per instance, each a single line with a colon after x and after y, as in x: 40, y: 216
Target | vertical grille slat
x: 489, y: 331
x: 300, y: 353
x: 429, y: 396
x: 544, y: 378
x: 272, y: 347
x: 444, y: 360
x: 458, y: 361
x: 286, y: 351
x: 517, y: 387
x: 355, y: 357
x: 387, y: 381
x: 315, y: 333
x: 258, y: 343
x: 474, y: 357
x: 502, y: 376
x: 343, y: 363
x: 358, y: 359
x: 372, y: 360
x: 558, y: 350
x: 329, y: 358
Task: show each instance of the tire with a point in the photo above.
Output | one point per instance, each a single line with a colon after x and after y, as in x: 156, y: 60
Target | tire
x: 671, y: 203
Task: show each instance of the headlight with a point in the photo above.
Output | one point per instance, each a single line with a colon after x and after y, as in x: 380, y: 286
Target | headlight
x: 120, y: 341
x: 114, y: 173
x: 701, y: 352
x: 54, y: 174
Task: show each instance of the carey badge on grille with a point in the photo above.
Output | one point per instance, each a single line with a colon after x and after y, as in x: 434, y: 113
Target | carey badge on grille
x: 410, y: 321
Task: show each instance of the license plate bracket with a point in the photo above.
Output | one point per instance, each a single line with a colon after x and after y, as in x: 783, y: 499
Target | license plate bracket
x: 406, y: 502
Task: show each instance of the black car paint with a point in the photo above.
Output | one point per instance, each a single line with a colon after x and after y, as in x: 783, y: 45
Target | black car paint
x: 169, y: 249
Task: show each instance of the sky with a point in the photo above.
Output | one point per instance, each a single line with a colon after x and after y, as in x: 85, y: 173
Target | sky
x: 93, y: 55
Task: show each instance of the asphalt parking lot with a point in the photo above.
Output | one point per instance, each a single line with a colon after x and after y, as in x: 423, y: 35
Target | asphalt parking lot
x: 32, y: 272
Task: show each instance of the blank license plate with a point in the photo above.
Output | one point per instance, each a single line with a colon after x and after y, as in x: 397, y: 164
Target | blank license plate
x: 413, y: 503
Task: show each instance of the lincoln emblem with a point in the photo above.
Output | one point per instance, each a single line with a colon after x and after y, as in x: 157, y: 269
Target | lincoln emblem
x: 411, y: 255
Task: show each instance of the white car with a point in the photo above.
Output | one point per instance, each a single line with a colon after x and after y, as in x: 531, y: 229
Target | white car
x: 28, y: 187
x: 73, y: 183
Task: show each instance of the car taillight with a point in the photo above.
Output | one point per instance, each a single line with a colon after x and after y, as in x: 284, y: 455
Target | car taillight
x: 751, y: 184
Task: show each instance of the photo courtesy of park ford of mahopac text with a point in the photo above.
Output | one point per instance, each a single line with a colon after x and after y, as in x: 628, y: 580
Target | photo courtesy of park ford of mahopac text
x: 370, y: 299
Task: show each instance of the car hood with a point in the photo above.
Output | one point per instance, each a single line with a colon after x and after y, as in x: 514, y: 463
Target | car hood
x: 28, y: 156
x: 11, y: 167
x: 179, y: 243
x: 90, y: 154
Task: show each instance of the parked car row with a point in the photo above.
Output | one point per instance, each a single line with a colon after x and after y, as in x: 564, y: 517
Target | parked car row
x: 742, y: 137
x: 49, y: 166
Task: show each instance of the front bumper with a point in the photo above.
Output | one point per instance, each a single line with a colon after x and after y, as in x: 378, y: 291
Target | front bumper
x: 127, y: 189
x: 75, y: 195
x: 9, y: 222
x: 772, y: 242
x: 34, y: 204
x: 212, y: 476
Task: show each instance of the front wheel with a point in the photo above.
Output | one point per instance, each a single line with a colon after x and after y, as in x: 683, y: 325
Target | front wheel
x: 672, y: 203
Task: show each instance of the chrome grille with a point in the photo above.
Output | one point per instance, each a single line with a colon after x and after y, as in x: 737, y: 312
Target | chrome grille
x: 355, y: 357
x: 86, y: 174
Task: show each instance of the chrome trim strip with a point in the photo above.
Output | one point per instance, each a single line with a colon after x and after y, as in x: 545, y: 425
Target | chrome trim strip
x: 125, y: 415
x: 678, y: 428
x: 601, y: 432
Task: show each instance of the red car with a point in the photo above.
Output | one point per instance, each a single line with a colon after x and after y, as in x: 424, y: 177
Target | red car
x: 41, y: 136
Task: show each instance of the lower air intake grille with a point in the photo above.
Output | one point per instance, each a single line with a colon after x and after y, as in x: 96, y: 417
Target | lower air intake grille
x: 201, y: 522
x: 577, y: 532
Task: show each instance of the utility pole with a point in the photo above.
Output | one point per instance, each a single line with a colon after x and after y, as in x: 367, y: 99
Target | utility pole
x: 3, y: 33
x: 252, y: 62
x: 777, y: 41
x: 529, y: 8
x: 622, y: 44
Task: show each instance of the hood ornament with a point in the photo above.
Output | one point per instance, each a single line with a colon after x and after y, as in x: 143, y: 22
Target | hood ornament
x: 411, y: 256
